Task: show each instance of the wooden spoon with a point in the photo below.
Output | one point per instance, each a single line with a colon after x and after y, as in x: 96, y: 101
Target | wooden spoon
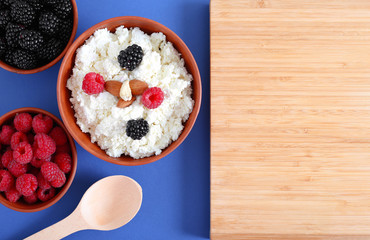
x: 108, y: 204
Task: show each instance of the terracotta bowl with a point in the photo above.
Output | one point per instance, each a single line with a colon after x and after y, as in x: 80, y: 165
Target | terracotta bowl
x: 50, y: 64
x: 20, y: 205
x: 63, y: 94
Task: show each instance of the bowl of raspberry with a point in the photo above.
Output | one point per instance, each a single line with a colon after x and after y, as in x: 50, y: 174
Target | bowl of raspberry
x: 35, y: 34
x: 38, y: 159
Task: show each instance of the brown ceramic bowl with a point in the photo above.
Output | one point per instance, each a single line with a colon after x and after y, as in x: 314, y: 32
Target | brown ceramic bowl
x: 67, y: 112
x: 50, y: 64
x: 20, y: 205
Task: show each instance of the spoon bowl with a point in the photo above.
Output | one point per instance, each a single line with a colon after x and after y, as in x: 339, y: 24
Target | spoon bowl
x: 108, y: 204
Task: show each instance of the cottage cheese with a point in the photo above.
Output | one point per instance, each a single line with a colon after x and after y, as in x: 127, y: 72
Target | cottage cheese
x: 162, y: 66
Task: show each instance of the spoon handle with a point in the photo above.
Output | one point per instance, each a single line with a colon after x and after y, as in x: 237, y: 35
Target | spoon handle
x: 61, y: 229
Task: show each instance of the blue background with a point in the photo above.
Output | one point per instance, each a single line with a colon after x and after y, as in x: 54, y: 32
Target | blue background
x: 175, y: 188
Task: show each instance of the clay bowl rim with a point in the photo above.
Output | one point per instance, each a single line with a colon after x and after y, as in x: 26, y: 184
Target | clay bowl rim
x: 52, y: 63
x: 22, y: 207
x: 63, y: 94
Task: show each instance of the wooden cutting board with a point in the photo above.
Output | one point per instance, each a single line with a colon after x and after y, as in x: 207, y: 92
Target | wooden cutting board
x: 290, y: 119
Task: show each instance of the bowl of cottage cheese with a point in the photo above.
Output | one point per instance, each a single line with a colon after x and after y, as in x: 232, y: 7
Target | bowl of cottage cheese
x: 129, y: 90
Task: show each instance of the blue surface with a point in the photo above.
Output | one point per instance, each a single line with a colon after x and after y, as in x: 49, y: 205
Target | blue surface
x: 175, y: 188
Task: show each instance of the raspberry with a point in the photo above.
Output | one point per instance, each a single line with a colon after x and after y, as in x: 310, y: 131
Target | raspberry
x: 6, y: 158
x: 30, y: 199
x: 23, y: 153
x: 45, y: 194
x: 18, y: 138
x: 64, y: 148
x: 17, y: 169
x: 12, y: 195
x: 152, y: 97
x: 26, y: 184
x: 93, y: 83
x: 59, y: 181
x: 44, y: 146
x: 23, y: 122
x: 42, y: 124
x: 59, y: 136
x: 6, y: 134
x: 50, y: 171
x: 6, y: 181
x: 43, y: 184
x: 38, y: 162
x: 63, y: 160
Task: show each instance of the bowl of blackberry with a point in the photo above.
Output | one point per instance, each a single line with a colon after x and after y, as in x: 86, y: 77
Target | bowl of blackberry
x: 35, y: 34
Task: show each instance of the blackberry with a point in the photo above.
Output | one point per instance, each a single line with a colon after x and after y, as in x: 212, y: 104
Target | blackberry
x: 8, y: 2
x: 24, y: 59
x: 12, y: 33
x: 49, y: 23
x: 22, y: 12
x: 2, y: 47
x: 50, y: 3
x: 131, y: 57
x: 4, y: 18
x: 63, y: 8
x: 65, y: 31
x: 51, y: 49
x: 30, y: 40
x: 8, y: 57
x: 36, y: 4
x: 136, y: 129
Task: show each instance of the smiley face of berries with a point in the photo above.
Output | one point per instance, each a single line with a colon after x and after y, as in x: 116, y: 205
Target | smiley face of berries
x: 93, y: 83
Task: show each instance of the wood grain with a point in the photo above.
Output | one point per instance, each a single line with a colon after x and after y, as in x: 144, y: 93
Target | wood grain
x: 290, y: 119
